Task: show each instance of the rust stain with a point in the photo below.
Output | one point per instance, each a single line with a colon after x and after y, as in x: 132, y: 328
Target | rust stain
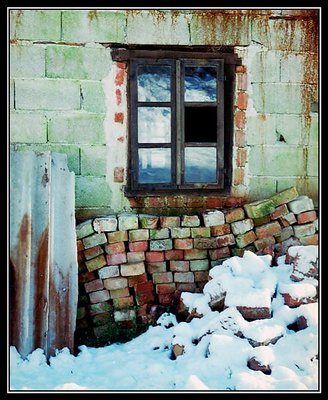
x: 158, y: 15
x: 41, y: 302
x: 45, y: 178
x: 93, y: 14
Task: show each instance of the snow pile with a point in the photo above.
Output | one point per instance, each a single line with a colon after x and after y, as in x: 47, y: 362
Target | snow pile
x: 217, y: 350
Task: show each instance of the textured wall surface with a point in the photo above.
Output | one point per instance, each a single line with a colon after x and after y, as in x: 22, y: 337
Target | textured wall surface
x: 67, y: 95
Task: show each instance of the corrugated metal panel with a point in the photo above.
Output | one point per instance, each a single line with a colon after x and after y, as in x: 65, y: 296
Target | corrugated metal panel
x: 43, y: 262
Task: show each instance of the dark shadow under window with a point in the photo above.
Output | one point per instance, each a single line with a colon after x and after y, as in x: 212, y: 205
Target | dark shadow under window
x: 200, y: 124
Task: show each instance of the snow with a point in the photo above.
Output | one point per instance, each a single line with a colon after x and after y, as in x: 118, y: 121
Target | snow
x: 216, y: 346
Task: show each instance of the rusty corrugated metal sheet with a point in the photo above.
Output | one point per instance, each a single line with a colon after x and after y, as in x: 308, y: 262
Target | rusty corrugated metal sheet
x: 43, y: 263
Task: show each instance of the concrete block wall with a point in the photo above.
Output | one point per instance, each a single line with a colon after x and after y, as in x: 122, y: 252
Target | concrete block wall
x: 67, y: 95
x: 134, y: 266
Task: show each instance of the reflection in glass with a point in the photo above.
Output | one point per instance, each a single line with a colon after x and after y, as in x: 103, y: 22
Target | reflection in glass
x: 200, y: 84
x: 154, y: 166
x: 154, y: 125
x: 200, y: 164
x: 154, y: 83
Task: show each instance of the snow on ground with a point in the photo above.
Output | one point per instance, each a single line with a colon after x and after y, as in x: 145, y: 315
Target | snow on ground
x: 216, y: 347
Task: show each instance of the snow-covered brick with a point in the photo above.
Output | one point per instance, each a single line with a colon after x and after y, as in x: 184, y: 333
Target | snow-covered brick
x: 243, y: 226
x: 301, y: 204
x: 298, y: 293
x: 105, y: 224
x: 260, y: 359
x: 127, y: 222
x: 232, y: 320
x: 212, y: 218
x: 304, y: 260
x: 220, y: 347
x: 304, y: 230
x: 263, y: 332
x: 252, y: 299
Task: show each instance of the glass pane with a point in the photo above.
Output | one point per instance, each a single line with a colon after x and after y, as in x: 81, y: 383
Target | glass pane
x: 154, y: 83
x: 200, y: 164
x: 200, y: 84
x: 154, y: 166
x: 154, y: 125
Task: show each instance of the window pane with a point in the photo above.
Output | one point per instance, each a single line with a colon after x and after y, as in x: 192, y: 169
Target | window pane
x: 154, y: 165
x: 200, y: 164
x: 154, y: 83
x: 154, y: 125
x: 200, y: 84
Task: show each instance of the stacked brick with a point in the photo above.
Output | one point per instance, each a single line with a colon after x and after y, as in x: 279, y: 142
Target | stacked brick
x: 131, y: 266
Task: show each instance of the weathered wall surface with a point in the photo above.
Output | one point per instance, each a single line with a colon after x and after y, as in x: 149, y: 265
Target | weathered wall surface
x: 67, y: 95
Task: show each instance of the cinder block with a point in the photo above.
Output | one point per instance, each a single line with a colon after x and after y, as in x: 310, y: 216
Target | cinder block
x: 92, y: 191
x: 27, y: 61
x: 261, y: 129
x: 28, y: 128
x: 265, y: 67
x: 93, y: 97
x: 47, y: 94
x: 93, y: 160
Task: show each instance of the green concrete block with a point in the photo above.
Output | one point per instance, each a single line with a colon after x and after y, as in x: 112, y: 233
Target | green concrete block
x: 218, y: 28
x: 261, y: 129
x: 91, y: 191
x: 285, y: 196
x: 77, y: 62
x: 72, y: 152
x: 93, y: 97
x: 93, y: 26
x: 12, y: 94
x: 259, y: 208
x: 291, y: 129
x: 261, y: 187
x: 83, y: 128
x: 84, y: 229
x: 47, y: 94
x: 28, y: 128
x: 265, y: 67
x: 284, y: 34
x: 279, y: 98
x: 313, y: 161
x: 93, y: 160
x: 279, y: 160
x: 293, y: 68
x: 314, y: 130
x: 27, y: 61
x: 157, y: 27
x: 35, y: 24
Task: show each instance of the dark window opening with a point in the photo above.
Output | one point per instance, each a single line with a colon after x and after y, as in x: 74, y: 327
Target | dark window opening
x: 200, y: 124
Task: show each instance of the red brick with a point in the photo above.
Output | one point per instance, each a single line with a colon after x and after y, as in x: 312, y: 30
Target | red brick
x: 195, y: 254
x: 145, y: 298
x: 253, y: 313
x: 166, y: 298
x: 184, y: 277
x: 240, y: 138
x: 305, y: 217
x: 169, y: 222
x: 201, y: 276
x: 156, y: 202
x: 116, y: 259
x: 179, y: 266
x: 144, y: 287
x: 79, y: 245
x: 215, y: 202
x: 291, y: 302
x: 245, y: 239
x: 279, y: 211
x: 270, y: 229
x: 201, y: 232
x: 117, y: 293
x: 288, y: 219
x: 240, y: 69
x: 99, y: 296
x: 162, y: 277
x: 219, y: 230
x: 154, y: 256
x: 186, y: 287
x: 242, y: 100
x: 261, y: 220
x: 219, y: 253
x: 136, y: 202
x: 159, y: 266
x: 176, y: 201
x: 241, y: 157
x: 135, y: 256
x: 115, y: 283
x: 123, y: 302
x: 119, y: 117
x: 138, y: 235
x: 173, y: 255
x: 115, y: 248
x: 96, y: 263
x: 119, y: 172
x: 225, y: 240
x: 261, y: 244
x: 232, y: 202
x: 195, y: 202
x: 241, y: 81
x: 138, y: 246
x: 118, y: 95
x: 205, y: 243
x: 134, y: 280
x: 93, y: 286
x: 87, y: 276
x: 118, y: 236
x: 93, y: 252
x: 310, y: 240
x: 121, y: 65
x: 164, y: 288
x: 240, y: 119
x: 239, y: 175
x: 183, y: 244
x: 119, y: 78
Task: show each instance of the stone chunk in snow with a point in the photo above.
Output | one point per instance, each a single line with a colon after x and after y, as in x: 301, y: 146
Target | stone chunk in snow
x: 304, y: 260
x: 261, y: 359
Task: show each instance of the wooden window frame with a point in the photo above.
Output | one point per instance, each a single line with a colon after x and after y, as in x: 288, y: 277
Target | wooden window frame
x: 177, y: 59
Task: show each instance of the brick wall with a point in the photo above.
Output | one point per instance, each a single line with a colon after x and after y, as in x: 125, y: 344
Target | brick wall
x: 132, y: 267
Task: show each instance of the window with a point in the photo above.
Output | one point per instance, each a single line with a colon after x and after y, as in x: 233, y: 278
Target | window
x: 180, y: 106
